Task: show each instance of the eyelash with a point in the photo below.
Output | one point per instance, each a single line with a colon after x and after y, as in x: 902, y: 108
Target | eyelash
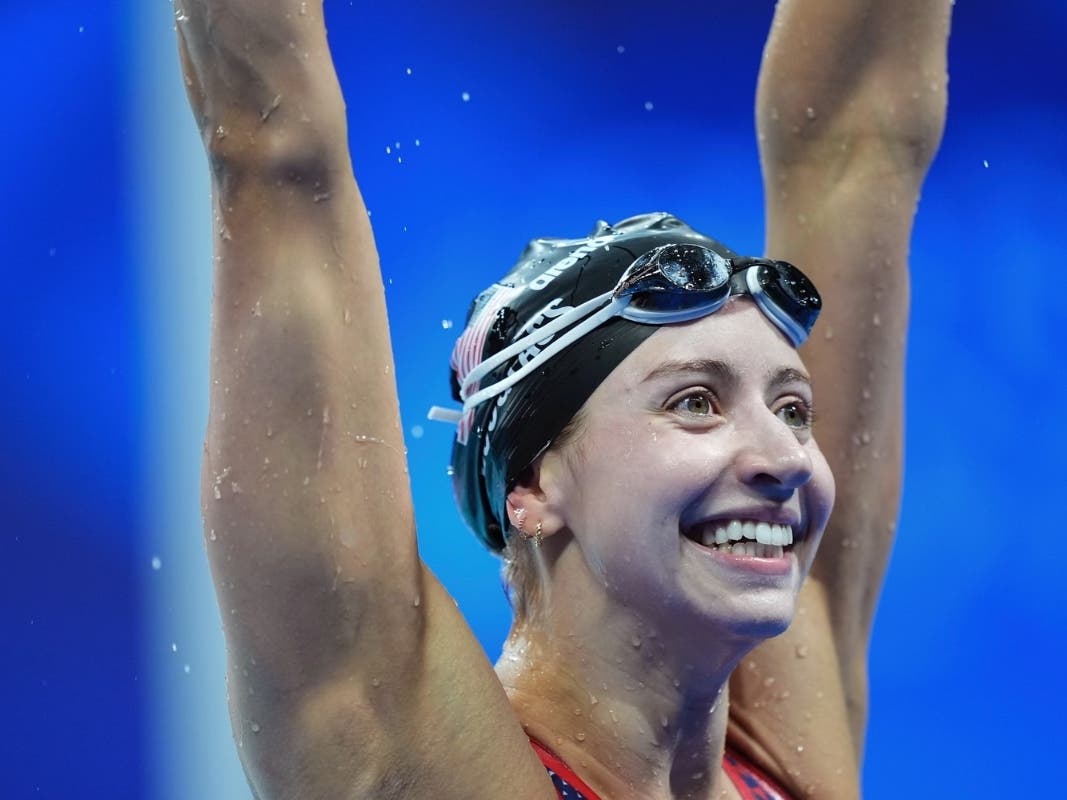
x: 692, y: 393
x: 807, y: 409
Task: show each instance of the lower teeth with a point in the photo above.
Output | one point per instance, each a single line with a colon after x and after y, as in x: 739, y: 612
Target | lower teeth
x: 754, y: 549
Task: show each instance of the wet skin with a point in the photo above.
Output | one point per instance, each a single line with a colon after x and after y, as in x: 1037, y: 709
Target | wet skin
x: 708, y: 420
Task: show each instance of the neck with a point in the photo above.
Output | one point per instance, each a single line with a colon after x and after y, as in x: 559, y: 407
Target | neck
x: 635, y: 716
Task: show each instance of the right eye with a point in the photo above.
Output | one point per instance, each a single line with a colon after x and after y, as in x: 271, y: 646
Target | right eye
x: 695, y: 404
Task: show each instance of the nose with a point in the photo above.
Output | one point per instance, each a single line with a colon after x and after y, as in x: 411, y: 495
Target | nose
x: 772, y: 460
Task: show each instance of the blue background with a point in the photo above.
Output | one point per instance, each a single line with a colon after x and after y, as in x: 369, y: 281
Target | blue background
x: 111, y: 676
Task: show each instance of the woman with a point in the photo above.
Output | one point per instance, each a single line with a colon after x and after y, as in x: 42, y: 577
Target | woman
x: 351, y: 672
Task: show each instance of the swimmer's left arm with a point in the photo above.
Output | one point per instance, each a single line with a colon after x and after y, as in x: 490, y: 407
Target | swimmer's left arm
x: 850, y: 110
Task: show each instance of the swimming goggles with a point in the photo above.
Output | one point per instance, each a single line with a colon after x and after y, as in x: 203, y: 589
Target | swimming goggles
x: 672, y: 283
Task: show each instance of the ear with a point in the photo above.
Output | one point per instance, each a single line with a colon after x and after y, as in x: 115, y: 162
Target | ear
x: 537, y: 497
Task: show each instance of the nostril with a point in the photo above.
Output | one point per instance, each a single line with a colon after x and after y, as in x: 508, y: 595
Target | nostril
x: 773, y: 487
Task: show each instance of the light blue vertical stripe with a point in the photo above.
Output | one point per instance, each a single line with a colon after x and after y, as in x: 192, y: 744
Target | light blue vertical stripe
x: 192, y: 750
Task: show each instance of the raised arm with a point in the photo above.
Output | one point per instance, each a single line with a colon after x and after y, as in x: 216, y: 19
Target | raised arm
x: 351, y: 674
x: 850, y: 110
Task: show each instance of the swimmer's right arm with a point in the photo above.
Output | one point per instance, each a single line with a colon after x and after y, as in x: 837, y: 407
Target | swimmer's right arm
x: 351, y: 673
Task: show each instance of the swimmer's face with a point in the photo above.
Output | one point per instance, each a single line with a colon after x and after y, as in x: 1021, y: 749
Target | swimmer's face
x: 705, y: 423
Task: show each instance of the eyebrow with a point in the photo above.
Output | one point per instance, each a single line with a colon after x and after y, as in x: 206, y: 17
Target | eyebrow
x: 723, y: 373
x: 704, y: 366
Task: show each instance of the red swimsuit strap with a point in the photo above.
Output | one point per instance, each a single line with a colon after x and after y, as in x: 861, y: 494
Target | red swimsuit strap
x: 559, y: 766
x: 752, y: 782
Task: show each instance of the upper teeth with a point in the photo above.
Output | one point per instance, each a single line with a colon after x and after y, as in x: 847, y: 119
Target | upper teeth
x: 735, y: 530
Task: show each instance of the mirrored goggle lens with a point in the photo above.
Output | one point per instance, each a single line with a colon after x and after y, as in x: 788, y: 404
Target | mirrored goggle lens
x: 791, y: 291
x: 676, y: 269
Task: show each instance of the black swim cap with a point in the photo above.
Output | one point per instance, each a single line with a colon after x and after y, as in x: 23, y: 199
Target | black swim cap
x: 498, y: 439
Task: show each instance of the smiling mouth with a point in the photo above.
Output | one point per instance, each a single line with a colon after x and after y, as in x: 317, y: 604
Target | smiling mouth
x: 743, y: 537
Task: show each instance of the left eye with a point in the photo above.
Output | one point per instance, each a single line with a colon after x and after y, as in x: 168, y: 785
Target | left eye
x: 795, y: 415
x: 698, y: 405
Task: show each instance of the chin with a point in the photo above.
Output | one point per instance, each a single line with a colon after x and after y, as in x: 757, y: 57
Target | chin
x: 761, y: 628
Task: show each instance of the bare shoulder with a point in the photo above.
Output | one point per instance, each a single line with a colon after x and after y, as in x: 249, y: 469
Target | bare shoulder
x: 431, y: 723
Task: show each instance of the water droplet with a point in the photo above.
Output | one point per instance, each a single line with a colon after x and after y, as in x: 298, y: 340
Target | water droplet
x: 809, y: 112
x: 388, y: 150
x: 876, y: 320
x: 418, y: 143
x: 802, y: 651
x: 648, y: 105
x: 408, y: 71
x: 446, y: 324
x: 620, y: 49
x: 157, y: 563
x: 800, y: 748
x: 254, y: 726
x: 865, y: 437
x: 274, y: 104
x: 829, y: 333
x: 416, y: 602
x: 186, y: 669
x: 985, y: 163
x: 174, y: 647
x: 580, y: 736
x: 466, y: 97
x: 636, y: 641
x: 768, y: 682
x: 417, y: 431
x: 450, y: 470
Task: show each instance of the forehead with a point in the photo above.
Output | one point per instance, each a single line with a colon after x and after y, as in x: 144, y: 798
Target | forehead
x: 738, y: 335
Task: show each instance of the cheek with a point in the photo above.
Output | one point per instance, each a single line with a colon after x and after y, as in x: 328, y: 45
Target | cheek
x: 823, y: 486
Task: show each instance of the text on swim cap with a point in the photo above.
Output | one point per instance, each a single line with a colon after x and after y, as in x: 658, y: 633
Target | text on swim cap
x: 553, y: 272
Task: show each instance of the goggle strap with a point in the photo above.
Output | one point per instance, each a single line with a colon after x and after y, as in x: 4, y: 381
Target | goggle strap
x: 442, y: 414
x: 548, y: 329
x: 574, y: 334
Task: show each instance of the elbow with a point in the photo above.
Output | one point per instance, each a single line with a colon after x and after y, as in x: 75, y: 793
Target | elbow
x: 894, y: 122
x: 283, y: 157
